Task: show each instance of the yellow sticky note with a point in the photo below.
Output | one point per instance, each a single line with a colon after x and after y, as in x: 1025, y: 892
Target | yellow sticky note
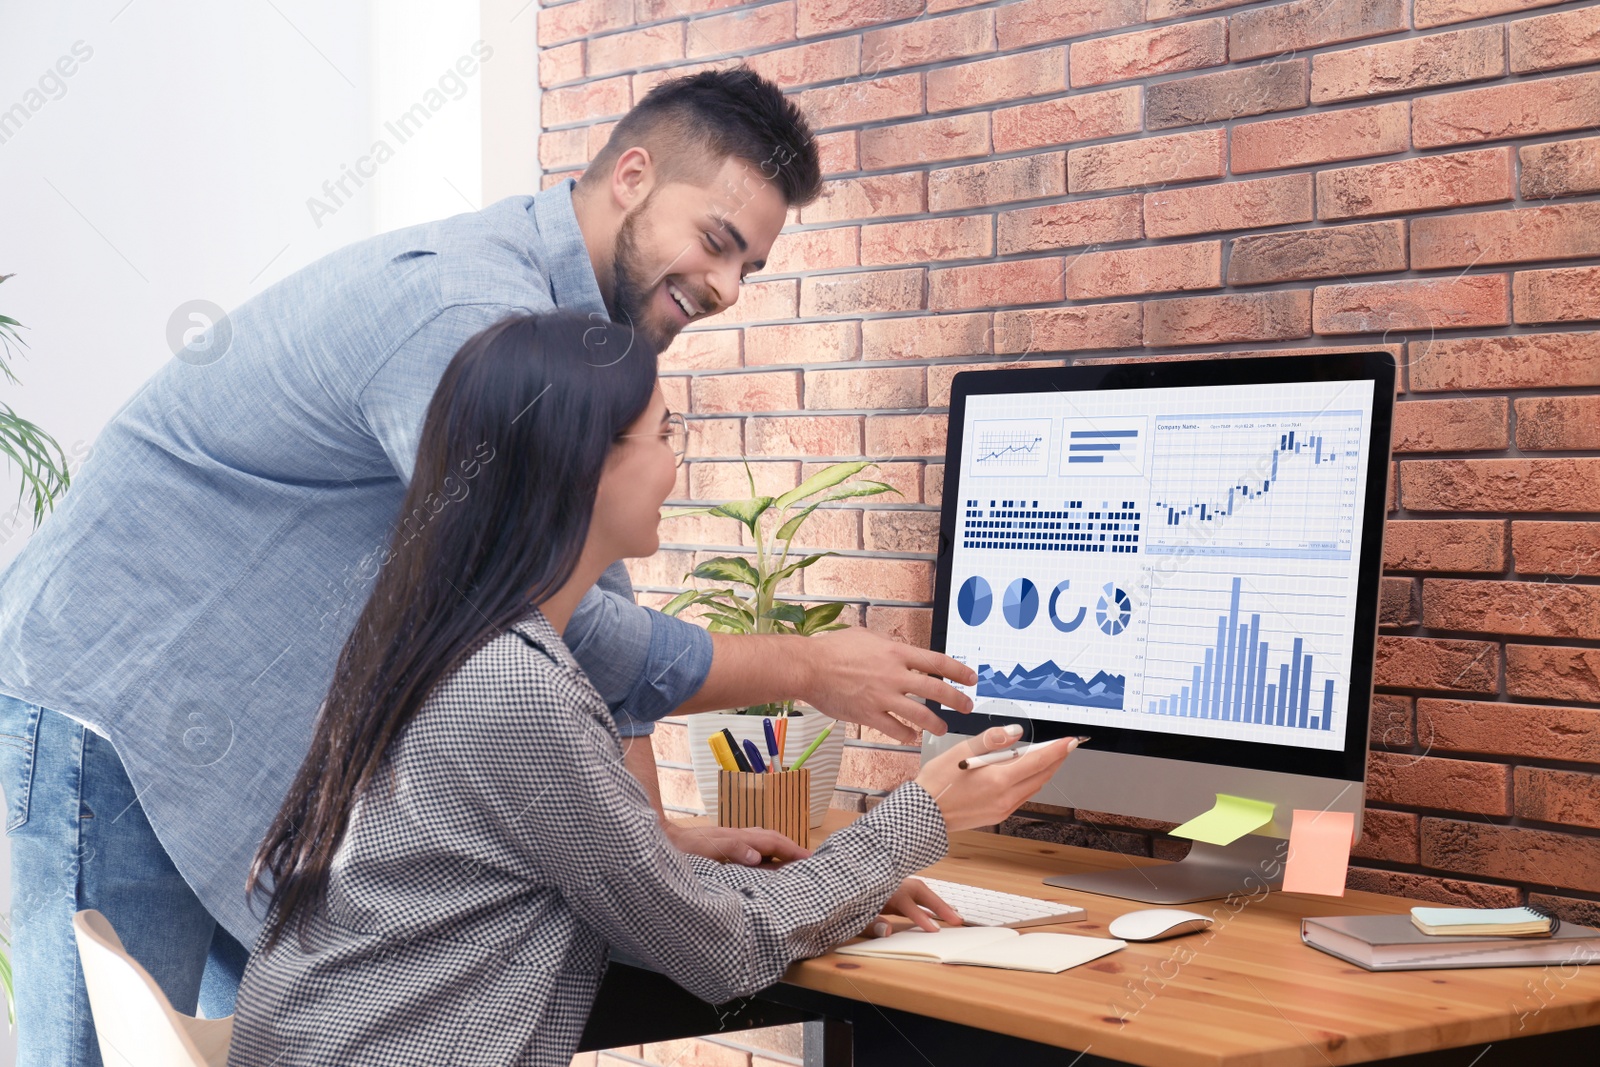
x: 1230, y: 819
x: 1319, y: 852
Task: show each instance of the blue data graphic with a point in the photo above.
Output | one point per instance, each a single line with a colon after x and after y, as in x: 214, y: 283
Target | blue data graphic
x: 1011, y: 447
x: 974, y: 601
x: 1021, y: 605
x: 1114, y: 611
x: 1052, y: 685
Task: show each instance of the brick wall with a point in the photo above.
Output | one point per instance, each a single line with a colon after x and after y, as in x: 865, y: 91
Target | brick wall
x: 1067, y: 180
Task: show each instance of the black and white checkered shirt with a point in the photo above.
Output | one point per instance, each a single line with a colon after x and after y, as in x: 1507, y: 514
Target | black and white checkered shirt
x: 475, y: 894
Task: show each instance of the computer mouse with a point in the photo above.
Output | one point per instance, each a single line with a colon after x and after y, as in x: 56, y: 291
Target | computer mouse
x: 1154, y: 924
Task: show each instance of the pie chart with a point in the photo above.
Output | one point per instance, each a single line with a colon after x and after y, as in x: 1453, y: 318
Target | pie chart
x: 974, y: 600
x: 1021, y: 603
x: 1114, y: 610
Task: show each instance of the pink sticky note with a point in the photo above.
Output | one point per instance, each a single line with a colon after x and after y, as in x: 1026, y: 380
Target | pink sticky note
x: 1319, y: 852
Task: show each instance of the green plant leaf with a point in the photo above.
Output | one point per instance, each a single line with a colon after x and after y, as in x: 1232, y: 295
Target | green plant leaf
x: 791, y: 613
x: 770, y: 583
x: 724, y: 624
x: 788, y: 529
x: 746, y: 511
x: 681, y: 601
x: 858, y: 489
x: 728, y: 569
x: 678, y: 513
x: 830, y: 626
x: 818, y: 616
x: 823, y: 479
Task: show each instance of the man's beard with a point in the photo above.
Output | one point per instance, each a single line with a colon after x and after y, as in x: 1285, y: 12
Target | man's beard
x: 631, y: 285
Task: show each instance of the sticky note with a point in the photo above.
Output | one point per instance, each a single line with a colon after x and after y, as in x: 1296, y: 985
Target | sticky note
x: 1319, y: 852
x: 1227, y: 821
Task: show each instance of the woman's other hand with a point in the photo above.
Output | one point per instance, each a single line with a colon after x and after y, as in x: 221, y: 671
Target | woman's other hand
x: 984, y: 796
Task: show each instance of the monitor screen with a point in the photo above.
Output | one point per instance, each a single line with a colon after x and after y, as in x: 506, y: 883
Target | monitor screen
x: 1174, y: 553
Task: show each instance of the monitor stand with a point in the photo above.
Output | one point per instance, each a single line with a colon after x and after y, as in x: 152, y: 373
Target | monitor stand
x: 1208, y: 872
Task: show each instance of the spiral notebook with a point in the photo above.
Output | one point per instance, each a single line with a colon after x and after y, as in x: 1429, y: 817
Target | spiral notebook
x: 987, y: 946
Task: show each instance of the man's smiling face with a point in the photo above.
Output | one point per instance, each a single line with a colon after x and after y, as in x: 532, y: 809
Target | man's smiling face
x: 682, y: 254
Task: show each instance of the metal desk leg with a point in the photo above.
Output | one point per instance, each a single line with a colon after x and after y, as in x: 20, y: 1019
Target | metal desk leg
x: 829, y: 1043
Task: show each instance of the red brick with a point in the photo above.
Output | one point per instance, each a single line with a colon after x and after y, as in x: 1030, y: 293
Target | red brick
x: 906, y: 435
x: 1464, y: 425
x: 1031, y: 22
x: 1429, y: 782
x: 1516, y: 235
x: 1322, y: 137
x: 1559, y: 485
x: 1513, y: 853
x: 1158, y: 269
x: 908, y: 143
x: 925, y: 337
x: 927, y: 40
x: 1076, y: 224
x: 1398, y: 604
x: 1527, y: 609
x: 1067, y: 329
x: 1568, y: 797
x: 1405, y: 66
x: 901, y: 531
x: 599, y: 134
x: 809, y: 342
x: 1462, y: 545
x: 1241, y: 205
x: 1233, y: 317
x: 991, y: 80
x: 1325, y: 252
x: 836, y: 152
x: 1000, y: 181
x: 1432, y: 663
x: 742, y: 31
x: 562, y: 64
x: 896, y: 96
x: 803, y: 435
x: 940, y: 375
x: 1558, y: 423
x: 1377, y: 307
x: 1156, y: 10
x: 722, y: 394
x: 1023, y: 281
x: 1423, y: 184
x: 1080, y: 117
x: 675, y: 391
x: 912, y: 626
x: 1303, y: 24
x: 1428, y: 13
x: 760, y: 301
x: 581, y: 18
x: 799, y: 250
x: 716, y: 438
x: 870, y: 197
x: 1523, y: 361
x: 702, y: 350
x: 629, y: 51
x: 1451, y: 891
x: 1177, y: 157
x: 663, y: 568
x: 846, y: 294
x: 1520, y: 109
x: 727, y: 481
x: 1565, y: 39
x: 1500, y: 729
x: 817, y: 17
x: 808, y: 64
x: 584, y: 103
x: 1549, y: 672
x: 927, y: 240
x: 1561, y: 168
x: 1565, y: 549
x: 564, y: 148
x: 1163, y: 50
x: 1569, y: 295
x: 933, y: 483
x: 867, y: 387
x: 1569, y: 909
x: 881, y: 579
x: 1390, y: 836
x: 1227, y: 94
x: 827, y: 529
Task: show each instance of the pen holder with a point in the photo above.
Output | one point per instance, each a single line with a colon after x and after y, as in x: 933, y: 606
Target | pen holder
x: 780, y: 802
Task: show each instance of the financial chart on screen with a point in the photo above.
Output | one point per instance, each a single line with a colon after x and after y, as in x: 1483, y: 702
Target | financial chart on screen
x: 1179, y: 560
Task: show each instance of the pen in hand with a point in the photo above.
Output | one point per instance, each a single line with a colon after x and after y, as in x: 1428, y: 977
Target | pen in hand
x: 1006, y: 756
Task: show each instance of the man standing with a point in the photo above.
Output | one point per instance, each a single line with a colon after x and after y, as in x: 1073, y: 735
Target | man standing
x: 167, y: 636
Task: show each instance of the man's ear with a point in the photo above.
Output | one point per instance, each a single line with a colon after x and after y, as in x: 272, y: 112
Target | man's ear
x: 632, y: 178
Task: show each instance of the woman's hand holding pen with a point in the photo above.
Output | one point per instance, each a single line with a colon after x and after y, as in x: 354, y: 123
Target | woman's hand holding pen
x: 985, y: 795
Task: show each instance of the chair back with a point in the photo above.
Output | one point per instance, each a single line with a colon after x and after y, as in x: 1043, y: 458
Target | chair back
x: 135, y: 1023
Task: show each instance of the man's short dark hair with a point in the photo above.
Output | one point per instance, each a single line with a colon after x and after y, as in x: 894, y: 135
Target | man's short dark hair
x: 691, y: 125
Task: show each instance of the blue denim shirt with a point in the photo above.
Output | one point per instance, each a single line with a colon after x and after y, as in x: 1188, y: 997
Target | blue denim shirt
x: 189, y: 596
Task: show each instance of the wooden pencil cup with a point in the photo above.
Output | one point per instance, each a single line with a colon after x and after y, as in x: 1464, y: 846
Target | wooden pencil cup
x: 780, y: 802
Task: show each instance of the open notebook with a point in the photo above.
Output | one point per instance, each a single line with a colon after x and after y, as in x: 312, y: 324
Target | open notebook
x: 987, y: 946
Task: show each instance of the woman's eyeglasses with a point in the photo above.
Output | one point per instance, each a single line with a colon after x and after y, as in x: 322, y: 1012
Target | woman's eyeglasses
x: 676, y: 433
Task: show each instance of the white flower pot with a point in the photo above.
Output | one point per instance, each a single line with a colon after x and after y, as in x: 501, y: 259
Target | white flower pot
x: 803, y: 729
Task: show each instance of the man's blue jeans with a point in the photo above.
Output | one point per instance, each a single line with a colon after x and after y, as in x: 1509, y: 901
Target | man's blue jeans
x: 79, y: 839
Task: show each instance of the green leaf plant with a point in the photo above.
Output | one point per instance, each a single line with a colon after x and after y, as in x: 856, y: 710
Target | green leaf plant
x: 45, y: 473
x: 742, y: 597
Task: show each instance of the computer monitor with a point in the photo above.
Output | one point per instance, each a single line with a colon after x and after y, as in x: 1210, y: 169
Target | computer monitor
x: 1180, y: 559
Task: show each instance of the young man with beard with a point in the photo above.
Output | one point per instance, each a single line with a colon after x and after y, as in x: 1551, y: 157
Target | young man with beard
x: 167, y: 635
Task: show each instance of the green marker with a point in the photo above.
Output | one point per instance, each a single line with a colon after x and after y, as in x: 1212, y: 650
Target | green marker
x: 823, y: 736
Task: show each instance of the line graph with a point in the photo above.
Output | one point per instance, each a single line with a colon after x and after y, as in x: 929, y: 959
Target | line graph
x: 1011, y: 447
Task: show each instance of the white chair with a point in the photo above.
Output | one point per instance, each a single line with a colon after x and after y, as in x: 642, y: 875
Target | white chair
x: 133, y: 1019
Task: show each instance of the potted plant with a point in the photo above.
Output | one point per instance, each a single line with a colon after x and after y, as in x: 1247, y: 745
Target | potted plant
x: 742, y: 598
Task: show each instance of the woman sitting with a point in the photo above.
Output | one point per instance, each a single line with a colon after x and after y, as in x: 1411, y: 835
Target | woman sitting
x: 463, y: 842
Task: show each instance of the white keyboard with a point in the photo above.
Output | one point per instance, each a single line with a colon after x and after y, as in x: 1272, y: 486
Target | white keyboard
x: 990, y: 907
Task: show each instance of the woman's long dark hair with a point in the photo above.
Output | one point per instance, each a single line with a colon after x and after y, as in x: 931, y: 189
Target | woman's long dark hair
x: 494, y: 521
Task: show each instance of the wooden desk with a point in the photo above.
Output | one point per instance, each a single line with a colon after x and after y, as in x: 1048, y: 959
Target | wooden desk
x: 1244, y: 994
